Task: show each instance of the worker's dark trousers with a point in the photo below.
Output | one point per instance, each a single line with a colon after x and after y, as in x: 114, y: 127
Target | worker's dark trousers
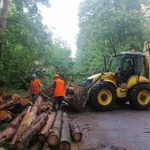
x: 34, y: 97
x: 57, y: 100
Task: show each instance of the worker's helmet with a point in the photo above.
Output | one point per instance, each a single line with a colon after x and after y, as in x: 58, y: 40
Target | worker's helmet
x: 33, y: 75
x: 56, y: 76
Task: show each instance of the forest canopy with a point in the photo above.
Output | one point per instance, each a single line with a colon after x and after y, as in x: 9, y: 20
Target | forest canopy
x: 28, y: 46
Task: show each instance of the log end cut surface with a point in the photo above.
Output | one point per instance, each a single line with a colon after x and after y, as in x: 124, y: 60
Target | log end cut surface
x: 42, y: 138
x: 53, y: 140
x: 77, y: 137
x: 64, y: 146
x: 3, y: 115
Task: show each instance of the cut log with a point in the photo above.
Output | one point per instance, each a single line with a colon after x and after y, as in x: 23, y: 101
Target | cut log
x: 28, y: 119
x: 43, y: 134
x: 46, y: 147
x: 37, y: 146
x: 73, y: 90
x: 53, y: 138
x: 19, y: 130
x: 7, y: 104
x: 16, y: 98
x: 5, y: 116
x: 1, y: 148
x: 32, y: 131
x: 46, y: 106
x: 1, y: 100
x: 65, y: 140
x: 75, y: 131
x: 24, y: 101
x: 9, y: 132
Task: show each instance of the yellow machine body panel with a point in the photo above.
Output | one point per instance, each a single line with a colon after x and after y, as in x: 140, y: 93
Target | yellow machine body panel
x: 134, y: 80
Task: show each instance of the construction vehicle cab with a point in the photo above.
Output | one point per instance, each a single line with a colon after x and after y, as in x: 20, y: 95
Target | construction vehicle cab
x: 126, y: 79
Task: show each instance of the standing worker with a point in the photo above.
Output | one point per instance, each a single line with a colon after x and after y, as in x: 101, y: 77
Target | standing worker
x: 35, y: 87
x: 58, y: 92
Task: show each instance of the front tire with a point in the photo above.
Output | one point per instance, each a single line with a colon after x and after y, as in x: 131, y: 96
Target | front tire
x: 103, y: 96
x: 139, y: 97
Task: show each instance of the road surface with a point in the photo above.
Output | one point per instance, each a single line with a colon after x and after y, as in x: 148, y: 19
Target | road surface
x: 121, y: 129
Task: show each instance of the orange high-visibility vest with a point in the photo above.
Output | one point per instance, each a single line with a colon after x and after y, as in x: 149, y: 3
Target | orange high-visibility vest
x: 35, y: 86
x: 59, y: 89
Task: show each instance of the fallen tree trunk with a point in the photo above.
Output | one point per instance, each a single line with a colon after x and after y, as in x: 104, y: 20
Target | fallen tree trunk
x: 65, y: 141
x: 28, y: 119
x: 53, y: 138
x: 8, y: 133
x: 19, y: 132
x: 32, y: 131
x: 1, y: 148
x: 75, y: 131
x: 7, y: 104
x: 42, y: 136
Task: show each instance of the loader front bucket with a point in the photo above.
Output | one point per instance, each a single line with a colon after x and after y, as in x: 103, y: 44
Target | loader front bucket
x: 76, y: 97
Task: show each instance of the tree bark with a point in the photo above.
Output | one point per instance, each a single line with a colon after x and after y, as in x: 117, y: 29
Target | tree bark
x: 8, y: 133
x: 4, y: 15
x: 65, y: 141
x: 42, y: 137
x: 32, y: 131
x: 75, y: 131
x: 1, y: 148
x: 7, y: 104
x: 27, y: 120
x: 3, y: 21
x: 19, y: 130
x: 53, y: 138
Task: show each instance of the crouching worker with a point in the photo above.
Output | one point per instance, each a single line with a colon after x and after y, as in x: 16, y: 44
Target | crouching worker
x: 35, y: 87
x: 58, y: 92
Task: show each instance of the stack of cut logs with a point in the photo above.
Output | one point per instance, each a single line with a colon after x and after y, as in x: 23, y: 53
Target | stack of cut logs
x: 35, y: 127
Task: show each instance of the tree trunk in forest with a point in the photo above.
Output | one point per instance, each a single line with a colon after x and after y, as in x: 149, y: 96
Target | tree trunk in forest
x: 8, y: 133
x: 65, y: 140
x: 75, y: 131
x: 54, y: 136
x: 43, y: 134
x: 37, y: 146
x: 3, y: 20
x: 32, y: 131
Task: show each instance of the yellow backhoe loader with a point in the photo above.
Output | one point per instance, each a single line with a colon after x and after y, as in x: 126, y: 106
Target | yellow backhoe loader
x: 127, y: 79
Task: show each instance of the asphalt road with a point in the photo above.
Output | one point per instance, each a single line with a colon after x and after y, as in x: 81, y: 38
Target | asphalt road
x: 121, y: 129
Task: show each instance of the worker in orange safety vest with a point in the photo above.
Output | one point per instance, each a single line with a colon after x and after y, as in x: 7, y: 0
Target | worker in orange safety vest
x: 35, y: 87
x: 58, y: 92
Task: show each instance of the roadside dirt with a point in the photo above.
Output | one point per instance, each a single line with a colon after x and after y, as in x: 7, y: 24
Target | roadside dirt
x: 121, y: 129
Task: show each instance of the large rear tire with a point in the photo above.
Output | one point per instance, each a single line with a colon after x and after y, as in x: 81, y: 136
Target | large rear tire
x: 103, y: 96
x: 139, y: 97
